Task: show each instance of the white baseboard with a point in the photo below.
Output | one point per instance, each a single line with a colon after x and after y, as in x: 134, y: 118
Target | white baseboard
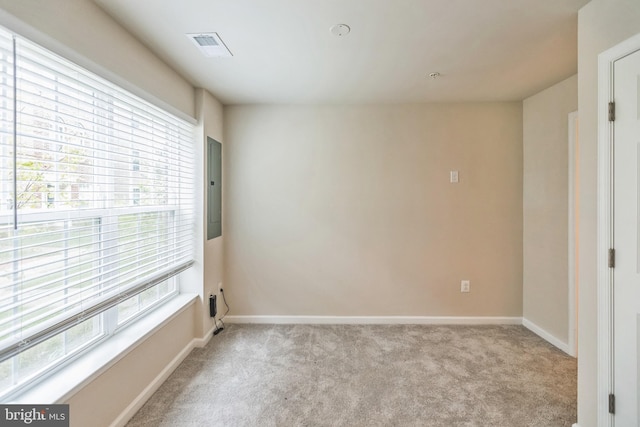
x: 142, y: 398
x: 201, y: 342
x: 402, y: 320
x: 376, y: 320
x: 547, y: 336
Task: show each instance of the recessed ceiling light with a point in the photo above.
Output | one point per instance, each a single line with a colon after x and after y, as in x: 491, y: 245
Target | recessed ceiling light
x: 210, y: 44
x: 340, y: 30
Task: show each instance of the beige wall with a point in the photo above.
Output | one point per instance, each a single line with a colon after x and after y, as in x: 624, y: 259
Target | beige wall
x: 80, y: 31
x: 601, y: 24
x: 345, y: 210
x: 545, y: 207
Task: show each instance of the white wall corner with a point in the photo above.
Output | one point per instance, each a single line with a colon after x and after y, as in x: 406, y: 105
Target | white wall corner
x: 551, y: 339
x: 203, y: 341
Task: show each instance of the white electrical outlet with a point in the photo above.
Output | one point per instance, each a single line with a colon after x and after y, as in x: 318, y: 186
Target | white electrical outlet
x: 219, y: 286
x: 465, y: 286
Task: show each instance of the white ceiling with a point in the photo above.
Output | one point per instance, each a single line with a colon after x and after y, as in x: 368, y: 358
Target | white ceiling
x: 283, y: 52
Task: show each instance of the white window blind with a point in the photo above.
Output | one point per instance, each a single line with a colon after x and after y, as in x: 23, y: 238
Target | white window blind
x: 96, y: 195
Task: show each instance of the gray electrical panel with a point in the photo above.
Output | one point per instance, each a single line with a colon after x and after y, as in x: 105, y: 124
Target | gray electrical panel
x: 214, y: 189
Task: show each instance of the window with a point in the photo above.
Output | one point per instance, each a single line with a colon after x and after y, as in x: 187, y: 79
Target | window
x: 96, y: 212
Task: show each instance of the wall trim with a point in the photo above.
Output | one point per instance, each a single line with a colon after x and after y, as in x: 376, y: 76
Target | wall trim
x: 203, y: 341
x: 551, y: 339
x: 573, y: 204
x: 155, y: 384
x: 376, y: 320
x: 401, y: 320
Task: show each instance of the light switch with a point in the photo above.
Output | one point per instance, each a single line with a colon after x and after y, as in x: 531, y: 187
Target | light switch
x: 453, y: 177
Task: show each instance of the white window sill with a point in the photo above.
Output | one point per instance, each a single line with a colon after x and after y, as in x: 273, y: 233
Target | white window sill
x: 63, y: 384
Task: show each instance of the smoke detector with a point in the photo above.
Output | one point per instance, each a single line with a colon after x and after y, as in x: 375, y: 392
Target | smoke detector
x: 340, y: 30
x: 210, y: 44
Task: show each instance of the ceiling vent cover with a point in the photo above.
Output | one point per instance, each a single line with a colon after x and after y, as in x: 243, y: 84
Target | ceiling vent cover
x: 210, y: 44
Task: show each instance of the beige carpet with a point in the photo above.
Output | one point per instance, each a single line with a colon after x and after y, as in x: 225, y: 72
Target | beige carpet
x: 368, y: 375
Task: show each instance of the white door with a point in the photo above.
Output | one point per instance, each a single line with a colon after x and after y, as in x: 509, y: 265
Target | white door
x: 626, y: 237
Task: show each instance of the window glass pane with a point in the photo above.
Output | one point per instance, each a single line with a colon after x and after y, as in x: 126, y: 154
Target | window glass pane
x: 6, y: 377
x: 148, y: 297
x: 128, y: 308
x: 145, y: 300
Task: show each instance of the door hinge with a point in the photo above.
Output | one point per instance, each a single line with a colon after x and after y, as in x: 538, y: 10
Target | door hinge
x: 612, y: 404
x: 612, y: 258
x: 612, y: 111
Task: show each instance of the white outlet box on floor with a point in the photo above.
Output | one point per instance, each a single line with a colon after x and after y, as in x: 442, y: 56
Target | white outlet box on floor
x: 465, y: 286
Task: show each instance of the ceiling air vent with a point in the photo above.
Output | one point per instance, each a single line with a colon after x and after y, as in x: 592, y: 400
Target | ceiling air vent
x: 210, y: 44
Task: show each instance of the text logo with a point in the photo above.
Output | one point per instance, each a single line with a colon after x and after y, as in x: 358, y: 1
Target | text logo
x: 34, y: 415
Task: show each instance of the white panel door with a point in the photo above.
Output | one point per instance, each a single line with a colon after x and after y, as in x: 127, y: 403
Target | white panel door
x: 626, y: 274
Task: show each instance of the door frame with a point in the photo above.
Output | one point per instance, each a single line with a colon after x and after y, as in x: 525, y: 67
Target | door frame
x: 604, y: 282
x: 572, y: 234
